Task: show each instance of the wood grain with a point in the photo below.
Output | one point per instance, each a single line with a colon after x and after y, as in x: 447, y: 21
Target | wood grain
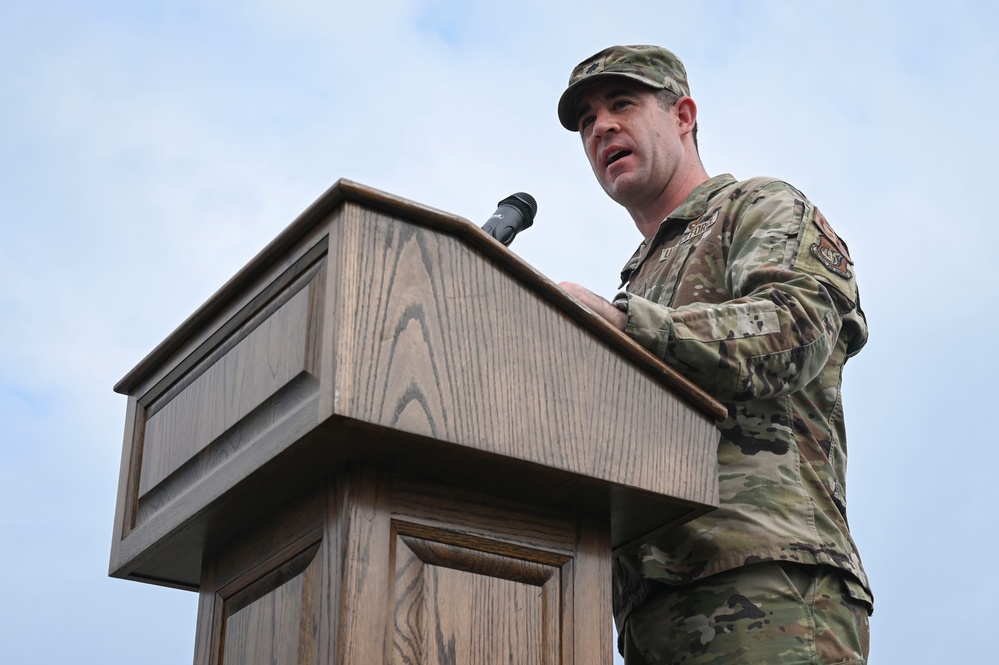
x: 275, y: 619
x: 590, y: 623
x: 480, y: 579
x: 455, y: 605
x: 309, y: 229
x: 267, y: 360
x: 361, y: 506
x: 450, y: 347
x: 371, y: 567
x: 259, y: 601
x: 419, y: 508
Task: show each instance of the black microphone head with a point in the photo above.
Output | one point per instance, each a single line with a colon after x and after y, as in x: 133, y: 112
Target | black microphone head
x: 523, y: 202
x: 513, y: 214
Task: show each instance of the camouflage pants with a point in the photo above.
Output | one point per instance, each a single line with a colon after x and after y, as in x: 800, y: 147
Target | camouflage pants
x: 762, y: 614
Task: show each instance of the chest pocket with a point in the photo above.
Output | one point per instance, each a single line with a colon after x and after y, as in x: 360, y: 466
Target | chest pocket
x: 664, y: 288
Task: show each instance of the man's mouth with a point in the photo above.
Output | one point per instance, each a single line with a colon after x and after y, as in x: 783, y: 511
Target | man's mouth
x: 614, y: 156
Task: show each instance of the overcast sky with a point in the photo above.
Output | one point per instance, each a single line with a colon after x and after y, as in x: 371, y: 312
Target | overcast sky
x: 149, y: 149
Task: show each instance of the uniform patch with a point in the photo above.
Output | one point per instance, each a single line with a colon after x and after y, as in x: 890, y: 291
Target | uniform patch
x: 824, y: 255
x: 693, y: 230
x: 826, y: 230
x: 596, y: 66
x: 830, y: 256
x: 699, y: 227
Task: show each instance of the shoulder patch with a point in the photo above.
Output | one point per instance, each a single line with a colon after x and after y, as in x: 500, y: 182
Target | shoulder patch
x: 820, y: 221
x: 830, y: 250
x: 829, y: 255
x: 823, y: 255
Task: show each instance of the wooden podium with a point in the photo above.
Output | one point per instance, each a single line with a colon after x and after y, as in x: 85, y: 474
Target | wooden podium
x: 389, y: 440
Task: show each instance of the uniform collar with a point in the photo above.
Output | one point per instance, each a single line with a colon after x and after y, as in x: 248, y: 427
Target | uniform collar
x: 696, y: 203
x: 693, y: 207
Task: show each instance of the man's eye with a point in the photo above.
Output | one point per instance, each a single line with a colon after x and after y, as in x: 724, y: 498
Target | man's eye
x: 621, y: 103
x: 586, y: 122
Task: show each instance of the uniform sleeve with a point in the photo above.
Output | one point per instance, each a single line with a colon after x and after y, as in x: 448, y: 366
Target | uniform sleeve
x: 794, y: 295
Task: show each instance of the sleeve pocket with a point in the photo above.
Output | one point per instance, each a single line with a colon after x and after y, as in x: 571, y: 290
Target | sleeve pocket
x: 726, y: 321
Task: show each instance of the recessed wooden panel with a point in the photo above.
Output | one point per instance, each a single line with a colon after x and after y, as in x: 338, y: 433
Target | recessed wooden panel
x: 458, y: 605
x: 478, y: 579
x: 274, y: 619
x: 268, y: 359
x: 262, y: 591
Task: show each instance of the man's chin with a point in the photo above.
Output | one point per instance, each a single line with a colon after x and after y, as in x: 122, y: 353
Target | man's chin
x: 621, y: 188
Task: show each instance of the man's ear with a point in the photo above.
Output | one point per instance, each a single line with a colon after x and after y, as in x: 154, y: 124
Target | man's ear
x: 686, y: 114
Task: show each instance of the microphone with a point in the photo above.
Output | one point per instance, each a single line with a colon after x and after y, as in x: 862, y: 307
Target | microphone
x: 513, y: 214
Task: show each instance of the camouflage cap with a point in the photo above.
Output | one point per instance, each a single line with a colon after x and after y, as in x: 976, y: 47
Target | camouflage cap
x: 652, y: 65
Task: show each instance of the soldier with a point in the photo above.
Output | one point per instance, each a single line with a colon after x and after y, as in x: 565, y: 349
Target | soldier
x: 746, y: 290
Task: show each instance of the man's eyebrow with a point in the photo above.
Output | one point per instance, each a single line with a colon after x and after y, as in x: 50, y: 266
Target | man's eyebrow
x: 610, y: 94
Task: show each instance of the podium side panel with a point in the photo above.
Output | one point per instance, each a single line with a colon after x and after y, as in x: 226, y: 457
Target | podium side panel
x: 253, y: 380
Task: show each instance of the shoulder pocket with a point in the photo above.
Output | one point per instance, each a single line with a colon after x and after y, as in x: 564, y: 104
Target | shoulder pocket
x: 823, y: 255
x: 726, y: 321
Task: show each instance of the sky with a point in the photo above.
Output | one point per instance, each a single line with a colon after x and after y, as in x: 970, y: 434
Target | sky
x: 148, y: 150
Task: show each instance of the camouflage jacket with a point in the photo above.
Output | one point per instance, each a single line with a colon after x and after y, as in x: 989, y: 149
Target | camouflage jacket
x: 747, y: 291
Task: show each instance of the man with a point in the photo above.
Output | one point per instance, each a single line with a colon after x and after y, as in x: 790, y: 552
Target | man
x: 746, y: 290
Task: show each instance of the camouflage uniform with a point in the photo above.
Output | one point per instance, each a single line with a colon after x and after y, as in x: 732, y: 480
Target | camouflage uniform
x: 747, y: 291
x: 764, y: 613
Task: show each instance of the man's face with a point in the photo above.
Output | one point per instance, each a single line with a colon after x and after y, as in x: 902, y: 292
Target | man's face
x: 632, y: 143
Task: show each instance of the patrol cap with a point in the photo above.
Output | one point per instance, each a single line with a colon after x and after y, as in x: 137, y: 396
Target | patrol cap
x: 653, y: 66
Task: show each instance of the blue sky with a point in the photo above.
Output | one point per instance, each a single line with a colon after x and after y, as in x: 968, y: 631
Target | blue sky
x: 149, y: 150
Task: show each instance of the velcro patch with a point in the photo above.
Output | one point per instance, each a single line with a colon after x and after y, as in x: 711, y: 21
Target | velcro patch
x: 823, y: 255
x: 820, y: 221
x: 829, y: 255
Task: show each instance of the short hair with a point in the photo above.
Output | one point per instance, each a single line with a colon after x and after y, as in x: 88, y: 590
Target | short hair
x: 667, y: 100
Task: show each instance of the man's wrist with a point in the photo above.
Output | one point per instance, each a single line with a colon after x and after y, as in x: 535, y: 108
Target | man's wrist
x: 621, y: 301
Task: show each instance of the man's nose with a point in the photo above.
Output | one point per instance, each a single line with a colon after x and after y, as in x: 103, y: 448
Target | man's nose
x: 604, y: 122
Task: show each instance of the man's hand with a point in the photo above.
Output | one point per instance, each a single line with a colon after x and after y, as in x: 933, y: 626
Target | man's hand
x: 616, y: 317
